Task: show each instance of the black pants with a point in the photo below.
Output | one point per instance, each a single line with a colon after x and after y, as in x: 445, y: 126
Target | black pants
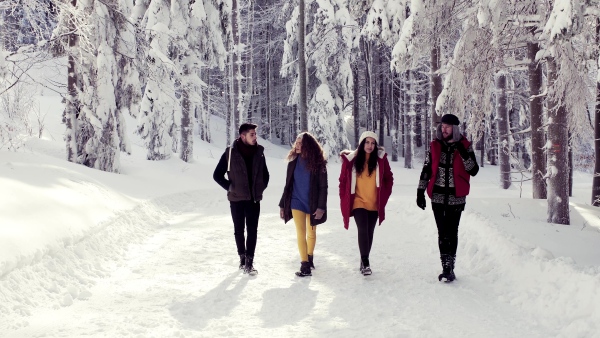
x: 245, y: 215
x: 365, y: 222
x: 447, y: 219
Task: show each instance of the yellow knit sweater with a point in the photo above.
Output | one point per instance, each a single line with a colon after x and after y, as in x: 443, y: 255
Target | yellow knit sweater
x: 366, y: 189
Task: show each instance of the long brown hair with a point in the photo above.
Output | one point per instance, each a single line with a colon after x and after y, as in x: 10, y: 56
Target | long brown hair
x: 361, y: 156
x: 311, y: 152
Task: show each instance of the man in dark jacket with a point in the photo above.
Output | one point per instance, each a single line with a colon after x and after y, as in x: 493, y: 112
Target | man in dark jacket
x: 446, y: 174
x: 248, y: 176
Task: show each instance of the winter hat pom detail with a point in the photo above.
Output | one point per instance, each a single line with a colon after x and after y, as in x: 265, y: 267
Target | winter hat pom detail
x: 450, y: 119
x: 366, y: 134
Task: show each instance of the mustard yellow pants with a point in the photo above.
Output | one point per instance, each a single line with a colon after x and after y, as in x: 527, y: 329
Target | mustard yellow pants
x: 306, y: 234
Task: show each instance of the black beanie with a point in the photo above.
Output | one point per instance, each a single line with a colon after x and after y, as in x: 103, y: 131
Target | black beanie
x: 450, y: 119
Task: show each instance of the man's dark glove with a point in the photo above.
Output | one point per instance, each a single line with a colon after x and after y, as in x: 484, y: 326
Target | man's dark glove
x: 462, y: 150
x: 421, y: 199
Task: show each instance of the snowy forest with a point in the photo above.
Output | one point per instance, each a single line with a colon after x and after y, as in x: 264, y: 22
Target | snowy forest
x: 522, y: 76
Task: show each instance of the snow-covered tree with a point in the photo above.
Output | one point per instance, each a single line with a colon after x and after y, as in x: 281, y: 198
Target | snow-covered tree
x: 87, y: 32
x: 328, y: 52
x: 596, y: 180
x: 197, y: 41
x: 330, y: 43
x: 25, y: 26
x: 567, y: 84
x: 156, y: 121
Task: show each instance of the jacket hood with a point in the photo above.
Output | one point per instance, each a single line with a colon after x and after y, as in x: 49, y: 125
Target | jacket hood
x: 350, y: 154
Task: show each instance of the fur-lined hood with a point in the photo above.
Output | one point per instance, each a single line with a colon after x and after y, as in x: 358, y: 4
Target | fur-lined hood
x: 350, y: 154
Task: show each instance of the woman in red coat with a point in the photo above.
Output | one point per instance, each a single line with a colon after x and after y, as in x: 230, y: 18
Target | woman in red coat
x: 365, y: 186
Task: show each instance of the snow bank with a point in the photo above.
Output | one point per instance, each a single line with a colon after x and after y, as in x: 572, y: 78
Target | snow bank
x: 47, y: 204
x: 562, y: 295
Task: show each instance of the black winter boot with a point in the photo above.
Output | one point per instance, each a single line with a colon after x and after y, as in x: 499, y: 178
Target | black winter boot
x: 365, y: 266
x: 249, y: 268
x: 242, y: 262
x: 447, y: 268
x: 310, y: 261
x: 304, y: 270
x: 453, y: 260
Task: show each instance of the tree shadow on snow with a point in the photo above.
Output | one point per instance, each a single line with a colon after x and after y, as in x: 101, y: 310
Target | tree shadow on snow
x: 216, y: 303
x: 288, y: 306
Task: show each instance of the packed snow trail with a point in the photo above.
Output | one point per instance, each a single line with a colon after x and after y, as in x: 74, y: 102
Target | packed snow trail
x: 179, y: 278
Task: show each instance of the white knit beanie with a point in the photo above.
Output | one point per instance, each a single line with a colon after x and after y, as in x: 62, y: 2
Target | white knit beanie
x: 366, y: 134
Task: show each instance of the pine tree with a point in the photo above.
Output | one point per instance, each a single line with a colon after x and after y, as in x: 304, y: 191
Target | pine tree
x: 156, y: 123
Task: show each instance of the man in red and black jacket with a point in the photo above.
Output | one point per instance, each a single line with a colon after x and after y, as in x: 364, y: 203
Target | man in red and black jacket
x: 445, y: 176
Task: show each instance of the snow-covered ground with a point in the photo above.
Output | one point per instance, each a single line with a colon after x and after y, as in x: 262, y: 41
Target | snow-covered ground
x: 150, y: 253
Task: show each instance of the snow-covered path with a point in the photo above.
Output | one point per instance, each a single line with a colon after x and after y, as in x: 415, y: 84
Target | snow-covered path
x: 178, y: 277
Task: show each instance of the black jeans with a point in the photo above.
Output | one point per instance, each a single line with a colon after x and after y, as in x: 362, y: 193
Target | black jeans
x: 245, y: 215
x: 447, y: 219
x: 365, y: 222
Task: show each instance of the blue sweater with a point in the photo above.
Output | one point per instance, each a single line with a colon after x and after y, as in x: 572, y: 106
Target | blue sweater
x: 301, y: 187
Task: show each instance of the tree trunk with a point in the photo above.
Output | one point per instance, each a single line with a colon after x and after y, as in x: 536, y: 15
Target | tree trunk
x: 237, y: 65
x: 394, y: 116
x: 251, y: 72
x: 538, y: 157
x: 268, y: 76
x: 187, y: 126
x: 401, y: 114
x: 482, y: 153
x: 366, y: 52
x: 492, y: 138
x: 558, y: 168
x: 382, y: 100
x: 229, y: 100
x: 422, y: 108
x: 596, y: 179
x: 502, y: 123
x: 570, y: 167
x: 408, y: 113
x: 302, y: 68
x: 201, y: 111
x: 356, y: 103
x: 71, y: 107
x: 436, y: 85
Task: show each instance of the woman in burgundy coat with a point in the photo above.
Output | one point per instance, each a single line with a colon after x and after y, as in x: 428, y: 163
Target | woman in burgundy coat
x: 366, y: 184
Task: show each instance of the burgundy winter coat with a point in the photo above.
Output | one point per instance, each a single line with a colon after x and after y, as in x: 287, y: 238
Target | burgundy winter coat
x: 461, y: 176
x: 384, y: 180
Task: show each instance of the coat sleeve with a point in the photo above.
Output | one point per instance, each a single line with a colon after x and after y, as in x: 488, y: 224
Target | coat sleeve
x: 220, y: 171
x: 469, y: 159
x: 425, y: 174
x: 323, y: 185
x: 266, y: 175
x: 285, y: 186
x: 343, y: 178
x: 388, y: 178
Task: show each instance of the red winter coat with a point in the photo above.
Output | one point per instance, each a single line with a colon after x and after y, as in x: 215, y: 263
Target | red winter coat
x: 384, y: 180
x: 461, y: 176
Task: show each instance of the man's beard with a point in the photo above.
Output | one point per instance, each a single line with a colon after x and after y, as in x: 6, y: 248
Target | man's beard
x: 448, y: 138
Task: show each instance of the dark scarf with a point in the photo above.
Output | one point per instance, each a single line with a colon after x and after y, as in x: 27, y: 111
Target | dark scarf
x: 247, y: 151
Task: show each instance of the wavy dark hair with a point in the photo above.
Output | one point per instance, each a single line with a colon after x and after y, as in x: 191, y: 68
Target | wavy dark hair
x: 361, y: 155
x: 311, y: 151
